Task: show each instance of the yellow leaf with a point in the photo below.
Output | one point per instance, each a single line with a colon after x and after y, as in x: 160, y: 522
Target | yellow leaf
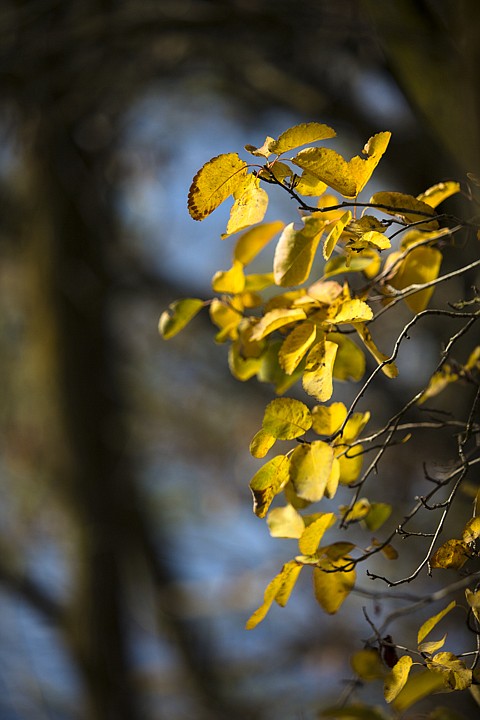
x: 278, y: 589
x: 407, y: 207
x: 295, y: 252
x: 317, y: 377
x: 307, y: 184
x: 473, y: 599
x: 254, y: 240
x: 335, y: 233
x: 357, y: 512
x: 367, y: 262
x: 225, y: 318
x: 473, y: 362
x: 287, y: 418
x: 262, y: 150
x: 349, y: 360
x: 421, y: 265
x: 417, y: 687
x: 268, y: 482
x: 230, y: 281
x: 397, y: 678
x: 214, y: 182
x: 431, y: 647
x: 310, y: 468
x: 301, y: 135
x: 438, y: 382
x: 271, y: 372
x: 313, y: 534
x: 471, y: 530
x: 275, y: 319
x: 353, y: 311
x: 354, y: 426
x: 453, y: 554
x: 347, y: 178
x: 350, y: 465
x: 241, y: 367
x: 372, y: 238
x: 367, y: 664
x: 258, y: 281
x: 327, y: 419
x: 456, y: 675
x: 178, y: 315
x: 249, y: 208
x: 285, y: 522
x: 377, y: 515
x: 332, y: 588
x: 325, y: 291
x: 295, y: 345
x: 390, y: 369
x: 438, y: 193
x: 333, y: 479
x: 261, y: 443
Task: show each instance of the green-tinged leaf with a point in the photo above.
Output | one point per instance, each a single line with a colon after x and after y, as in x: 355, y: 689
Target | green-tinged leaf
x: 230, y: 281
x: 225, y: 317
x: 252, y: 242
x: 285, y: 522
x: 261, y: 443
x: 332, y: 588
x: 317, y: 377
x: 296, y: 345
x: 215, y: 181
x: 452, y: 555
x: 178, y: 315
x: 439, y: 192
x: 249, y: 208
x: 432, y: 647
x: 258, y: 281
x: 356, y: 711
x: 367, y: 664
x: 390, y: 369
x: 328, y: 418
x: 271, y: 372
x: 421, y: 265
x: 357, y: 512
x: 286, y: 418
x: 301, y: 135
x: 353, y: 311
x: 242, y: 368
x: 337, y: 550
x: 275, y: 319
x: 377, y: 515
x: 455, y: 673
x: 397, y: 678
x: 417, y: 687
x: 373, y: 239
x: 313, y: 533
x: 307, y: 184
x: 335, y: 233
x: 429, y: 624
x: 295, y: 252
x: 347, y: 178
x: 471, y: 531
x: 406, y: 207
x: 350, y: 359
x: 310, y: 468
x: 367, y: 262
x: 278, y: 589
x: 268, y: 482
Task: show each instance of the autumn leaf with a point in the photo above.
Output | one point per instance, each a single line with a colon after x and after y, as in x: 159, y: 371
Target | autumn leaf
x: 332, y: 586
x: 268, y: 482
x: 286, y: 418
x: 279, y: 590
x: 429, y: 624
x: 215, y: 181
x: 310, y: 468
x: 295, y: 252
x: 453, y: 554
x: 397, y: 678
x: 178, y: 315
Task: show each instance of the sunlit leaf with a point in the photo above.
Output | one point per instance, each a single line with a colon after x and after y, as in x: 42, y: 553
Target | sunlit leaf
x: 417, y: 687
x: 350, y: 465
x: 421, y: 265
x: 333, y: 480
x: 268, y: 482
x: 317, y: 377
x: 438, y: 382
x: 453, y: 554
x: 258, y: 281
x: 335, y: 233
x: 178, y: 315
x: 275, y: 319
x: 349, y: 360
x: 271, y: 372
x: 367, y: 664
x: 249, y: 208
x: 328, y: 418
x: 353, y: 311
x: 225, y: 317
x: 285, y: 522
x: 301, y: 135
x: 325, y: 291
x: 357, y: 512
x: 397, y: 678
x: 310, y: 468
x: 456, y: 675
x: 439, y: 192
x: 390, y: 369
x: 332, y: 588
x: 313, y: 533
x: 354, y: 426
x: 242, y: 368
x: 230, y: 281
x: 278, y: 589
x: 287, y: 418
x: 296, y: 345
x: 307, y: 184
x: 431, y: 647
x: 295, y: 252
x: 367, y: 262
x: 214, y: 182
x: 429, y: 624
x: 254, y: 240
x: 406, y: 207
x: 261, y: 443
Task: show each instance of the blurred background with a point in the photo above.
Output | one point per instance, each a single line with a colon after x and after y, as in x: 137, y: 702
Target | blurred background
x: 129, y: 555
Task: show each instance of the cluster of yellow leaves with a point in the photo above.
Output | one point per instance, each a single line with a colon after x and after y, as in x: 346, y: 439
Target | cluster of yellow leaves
x: 454, y: 553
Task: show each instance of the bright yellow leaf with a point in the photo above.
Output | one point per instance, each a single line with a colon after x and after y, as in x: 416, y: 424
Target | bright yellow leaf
x: 328, y: 418
x: 230, y: 281
x: 350, y: 359
x: 312, y: 534
x: 261, y: 443
x: 455, y: 673
x: 421, y: 265
x: 214, y: 182
x: 249, y: 208
x: 471, y: 531
x: 268, y: 482
x: 225, y: 317
x: 397, y: 678
x: 254, y: 240
x: 406, y: 207
x: 307, y: 184
x: 358, y: 512
x: 432, y: 622
x: 332, y: 588
x: 418, y: 687
x: 285, y: 522
x: 287, y: 418
x: 335, y: 233
x: 178, y: 315
x: 275, y: 319
x: 353, y: 311
x: 432, y: 647
x: 453, y: 554
x: 242, y: 368
x: 301, y: 135
x: 377, y: 515
x: 278, y: 589
x: 367, y: 262
x: 439, y: 192
x: 295, y: 252
x: 296, y: 345
x: 317, y: 377
x: 310, y: 468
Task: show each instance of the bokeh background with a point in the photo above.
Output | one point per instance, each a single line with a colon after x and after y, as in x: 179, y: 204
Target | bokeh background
x: 129, y: 555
